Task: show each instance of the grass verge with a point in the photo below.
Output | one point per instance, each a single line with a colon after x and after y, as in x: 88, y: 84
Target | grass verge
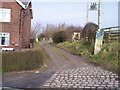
x: 23, y: 60
x: 107, y: 58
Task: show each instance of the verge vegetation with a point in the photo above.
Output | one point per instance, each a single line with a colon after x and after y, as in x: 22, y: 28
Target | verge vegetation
x: 23, y: 60
x: 107, y: 58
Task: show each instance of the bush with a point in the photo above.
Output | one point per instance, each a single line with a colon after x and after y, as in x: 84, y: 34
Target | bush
x: 59, y: 37
x: 22, y: 60
x: 89, y: 32
x: 81, y: 48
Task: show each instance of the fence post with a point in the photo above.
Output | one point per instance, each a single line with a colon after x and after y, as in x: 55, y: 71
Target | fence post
x: 109, y: 36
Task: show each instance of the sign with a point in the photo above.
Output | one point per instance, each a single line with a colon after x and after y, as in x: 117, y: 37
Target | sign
x: 76, y: 36
x: 98, y: 41
x: 93, y: 6
x: 5, y: 15
x: 37, y: 40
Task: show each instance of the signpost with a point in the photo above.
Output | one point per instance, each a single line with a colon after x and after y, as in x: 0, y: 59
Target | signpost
x: 91, y: 7
x: 99, y: 33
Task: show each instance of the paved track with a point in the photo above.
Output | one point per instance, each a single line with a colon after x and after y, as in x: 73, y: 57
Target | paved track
x: 65, y: 70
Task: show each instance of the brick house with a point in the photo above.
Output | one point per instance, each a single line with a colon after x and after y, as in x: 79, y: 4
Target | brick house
x: 15, y: 20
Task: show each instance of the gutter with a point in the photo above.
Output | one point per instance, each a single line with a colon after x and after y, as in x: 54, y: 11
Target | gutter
x: 20, y: 28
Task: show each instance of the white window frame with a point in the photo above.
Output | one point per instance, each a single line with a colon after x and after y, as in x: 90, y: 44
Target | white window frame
x: 7, y: 38
x: 5, y: 15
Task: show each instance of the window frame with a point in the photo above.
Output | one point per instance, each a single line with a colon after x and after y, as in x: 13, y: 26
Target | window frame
x: 7, y: 38
x: 7, y: 13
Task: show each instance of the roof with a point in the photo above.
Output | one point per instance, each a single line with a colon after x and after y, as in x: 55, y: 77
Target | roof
x: 24, y: 3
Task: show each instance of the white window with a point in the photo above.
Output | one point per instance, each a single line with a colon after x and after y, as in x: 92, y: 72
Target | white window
x: 4, y: 39
x: 5, y: 15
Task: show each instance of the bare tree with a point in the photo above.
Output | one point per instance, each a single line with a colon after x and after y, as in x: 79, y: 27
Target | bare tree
x: 36, y: 30
x: 50, y: 29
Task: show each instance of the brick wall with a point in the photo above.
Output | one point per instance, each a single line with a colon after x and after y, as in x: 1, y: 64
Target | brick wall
x: 15, y: 26
x: 26, y: 28
x: 12, y: 27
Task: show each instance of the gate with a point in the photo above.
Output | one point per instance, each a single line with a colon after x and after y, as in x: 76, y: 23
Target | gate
x: 106, y: 35
x: 111, y: 34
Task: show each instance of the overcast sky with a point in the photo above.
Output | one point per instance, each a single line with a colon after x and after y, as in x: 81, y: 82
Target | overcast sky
x: 74, y: 13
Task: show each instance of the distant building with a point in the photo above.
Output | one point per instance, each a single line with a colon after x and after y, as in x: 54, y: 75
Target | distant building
x: 15, y: 20
x: 76, y: 36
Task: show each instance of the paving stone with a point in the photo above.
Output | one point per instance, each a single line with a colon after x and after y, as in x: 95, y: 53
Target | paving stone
x: 87, y: 77
x: 90, y: 85
x: 103, y: 85
x: 96, y: 85
x: 107, y: 88
x: 93, y: 88
x: 110, y: 86
x: 80, y: 87
x: 100, y: 88
x: 113, y: 88
x: 87, y: 87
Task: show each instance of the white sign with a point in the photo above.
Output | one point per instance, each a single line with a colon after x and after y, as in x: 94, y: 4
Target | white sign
x: 98, y: 41
x: 5, y: 15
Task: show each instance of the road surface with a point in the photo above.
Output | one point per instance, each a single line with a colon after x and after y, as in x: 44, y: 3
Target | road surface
x: 64, y: 70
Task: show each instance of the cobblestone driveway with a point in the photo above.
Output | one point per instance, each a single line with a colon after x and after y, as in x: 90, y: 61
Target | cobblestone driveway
x: 71, y: 72
x: 84, y: 77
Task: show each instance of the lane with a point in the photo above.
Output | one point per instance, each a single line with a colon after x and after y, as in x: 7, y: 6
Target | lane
x: 82, y: 74
x: 30, y: 79
x: 57, y: 61
x: 64, y: 70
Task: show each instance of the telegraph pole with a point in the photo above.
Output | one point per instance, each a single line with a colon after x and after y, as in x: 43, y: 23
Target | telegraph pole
x: 99, y: 14
x: 99, y: 34
x: 87, y: 13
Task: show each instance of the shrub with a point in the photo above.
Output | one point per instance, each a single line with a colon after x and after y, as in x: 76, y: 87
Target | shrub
x: 81, y: 48
x: 89, y: 32
x: 22, y: 60
x: 108, y: 56
x: 59, y: 37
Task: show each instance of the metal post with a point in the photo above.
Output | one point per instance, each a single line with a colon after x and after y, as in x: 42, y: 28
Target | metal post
x: 109, y: 35
x: 99, y: 14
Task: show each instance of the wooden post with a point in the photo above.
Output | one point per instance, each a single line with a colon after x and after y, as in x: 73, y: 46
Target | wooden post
x: 87, y: 14
x: 109, y: 36
x: 99, y: 14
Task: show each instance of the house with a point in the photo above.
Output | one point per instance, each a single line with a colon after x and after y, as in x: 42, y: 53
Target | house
x: 15, y: 24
